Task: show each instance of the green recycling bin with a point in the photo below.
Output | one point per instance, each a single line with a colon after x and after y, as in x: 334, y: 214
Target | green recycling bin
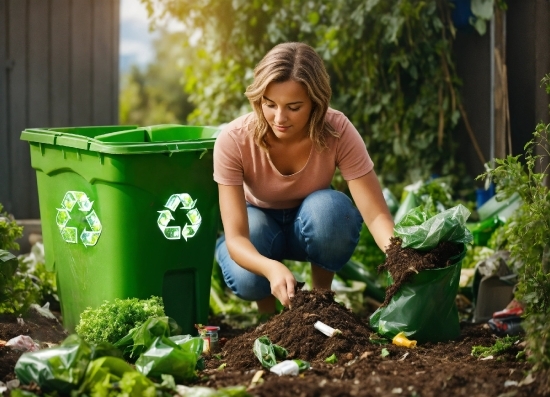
x: 128, y: 212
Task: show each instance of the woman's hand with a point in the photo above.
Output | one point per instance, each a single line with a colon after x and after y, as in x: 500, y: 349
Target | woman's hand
x: 282, y: 281
x: 235, y: 222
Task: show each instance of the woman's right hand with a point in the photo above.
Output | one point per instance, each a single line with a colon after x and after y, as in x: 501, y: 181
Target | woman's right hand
x: 282, y: 281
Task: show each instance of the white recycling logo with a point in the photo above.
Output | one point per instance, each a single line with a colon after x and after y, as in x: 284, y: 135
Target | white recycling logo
x: 193, y: 215
x: 69, y: 233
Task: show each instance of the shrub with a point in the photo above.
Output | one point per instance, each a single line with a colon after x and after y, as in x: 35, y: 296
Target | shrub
x: 526, y: 233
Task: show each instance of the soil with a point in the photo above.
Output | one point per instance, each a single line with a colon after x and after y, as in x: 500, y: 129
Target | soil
x: 44, y: 331
x: 361, y: 369
x: 403, y: 263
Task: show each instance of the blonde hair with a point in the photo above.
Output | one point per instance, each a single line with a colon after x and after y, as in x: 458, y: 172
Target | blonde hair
x: 297, y: 62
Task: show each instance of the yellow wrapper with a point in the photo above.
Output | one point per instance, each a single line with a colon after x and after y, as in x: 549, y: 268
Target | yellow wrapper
x: 401, y: 340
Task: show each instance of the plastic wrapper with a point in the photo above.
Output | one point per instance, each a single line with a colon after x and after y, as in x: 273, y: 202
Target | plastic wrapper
x: 201, y: 391
x: 60, y: 368
x: 24, y: 343
x: 140, y: 338
x: 409, y: 202
x: 267, y: 352
x: 420, y: 231
x: 105, y: 372
x: 290, y: 367
x: 166, y: 357
x: 401, y: 340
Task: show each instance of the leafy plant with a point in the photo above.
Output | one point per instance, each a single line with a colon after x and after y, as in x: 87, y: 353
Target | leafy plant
x: 21, y: 291
x: 154, y: 94
x: 113, y: 320
x: 18, y: 291
x: 526, y: 232
x: 9, y: 231
x: 501, y: 346
x: 483, y: 11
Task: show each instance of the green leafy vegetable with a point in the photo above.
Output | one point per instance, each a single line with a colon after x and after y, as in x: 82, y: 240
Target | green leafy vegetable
x: 113, y: 320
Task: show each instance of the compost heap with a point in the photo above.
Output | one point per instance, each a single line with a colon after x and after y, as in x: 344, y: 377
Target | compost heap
x: 293, y: 329
x: 403, y: 263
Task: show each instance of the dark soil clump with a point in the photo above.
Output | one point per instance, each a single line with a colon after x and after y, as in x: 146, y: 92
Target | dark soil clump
x: 364, y: 368
x: 44, y: 331
x: 293, y: 329
x: 403, y: 263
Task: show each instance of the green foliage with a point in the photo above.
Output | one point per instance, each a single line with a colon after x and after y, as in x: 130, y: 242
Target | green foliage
x: 113, y: 320
x: 526, y: 232
x: 332, y: 359
x: 390, y: 64
x: 501, y: 346
x: 35, y: 266
x: 20, y: 291
x: 483, y: 11
x: 475, y: 254
x: 155, y: 94
x: 9, y: 231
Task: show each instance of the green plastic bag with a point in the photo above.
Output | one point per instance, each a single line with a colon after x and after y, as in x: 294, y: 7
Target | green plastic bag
x: 105, y: 372
x: 420, y: 231
x: 166, y: 357
x: 408, y: 203
x: 139, y: 339
x: 60, y: 368
x: 267, y: 352
x: 424, y: 308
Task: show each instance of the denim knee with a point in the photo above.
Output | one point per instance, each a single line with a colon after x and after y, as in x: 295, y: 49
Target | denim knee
x: 330, y: 225
x: 244, y: 284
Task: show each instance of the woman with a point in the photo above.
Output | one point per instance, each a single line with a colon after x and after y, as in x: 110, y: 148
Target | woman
x: 274, y: 168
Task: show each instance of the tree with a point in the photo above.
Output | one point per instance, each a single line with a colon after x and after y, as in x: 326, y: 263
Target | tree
x: 390, y: 64
x: 155, y: 94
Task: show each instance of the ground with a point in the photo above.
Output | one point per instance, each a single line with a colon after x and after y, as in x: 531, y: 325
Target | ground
x: 429, y: 369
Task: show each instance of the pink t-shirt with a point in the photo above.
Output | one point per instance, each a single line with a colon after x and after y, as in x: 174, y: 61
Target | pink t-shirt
x: 239, y: 161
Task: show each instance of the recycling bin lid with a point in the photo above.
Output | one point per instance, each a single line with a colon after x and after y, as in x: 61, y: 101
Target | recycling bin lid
x: 162, y: 138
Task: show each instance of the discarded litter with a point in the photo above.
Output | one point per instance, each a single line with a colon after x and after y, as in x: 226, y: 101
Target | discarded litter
x: 401, y: 340
x: 23, y: 343
x: 290, y: 367
x: 327, y: 330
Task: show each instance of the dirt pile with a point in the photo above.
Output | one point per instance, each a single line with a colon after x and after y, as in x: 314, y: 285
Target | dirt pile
x: 294, y: 330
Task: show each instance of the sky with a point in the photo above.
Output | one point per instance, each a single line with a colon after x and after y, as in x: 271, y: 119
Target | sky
x: 135, y: 38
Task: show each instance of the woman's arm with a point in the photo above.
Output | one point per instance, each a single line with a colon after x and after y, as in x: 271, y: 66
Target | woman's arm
x: 368, y: 197
x: 237, y: 237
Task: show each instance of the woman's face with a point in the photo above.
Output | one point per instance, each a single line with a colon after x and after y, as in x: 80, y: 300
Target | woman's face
x: 286, y: 107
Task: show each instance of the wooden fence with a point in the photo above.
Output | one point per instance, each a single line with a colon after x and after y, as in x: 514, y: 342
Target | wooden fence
x: 58, y: 67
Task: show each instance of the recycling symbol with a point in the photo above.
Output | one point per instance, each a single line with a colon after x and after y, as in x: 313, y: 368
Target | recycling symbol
x: 193, y: 215
x: 69, y: 234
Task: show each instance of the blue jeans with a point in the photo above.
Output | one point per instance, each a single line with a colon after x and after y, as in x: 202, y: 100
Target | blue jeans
x: 323, y: 230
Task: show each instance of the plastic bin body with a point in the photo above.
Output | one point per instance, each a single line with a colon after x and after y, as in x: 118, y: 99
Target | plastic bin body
x: 128, y: 189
